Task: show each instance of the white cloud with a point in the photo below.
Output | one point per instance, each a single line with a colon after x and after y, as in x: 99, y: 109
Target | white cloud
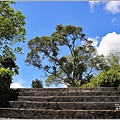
x: 116, y: 21
x: 20, y: 81
x: 59, y: 86
x: 113, y: 7
x: 95, y: 40
x: 64, y: 86
x: 16, y: 85
x: 92, y: 4
x: 110, y: 43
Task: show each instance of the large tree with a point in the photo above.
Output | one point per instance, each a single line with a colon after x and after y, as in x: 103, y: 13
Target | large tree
x: 12, y: 31
x: 73, y: 69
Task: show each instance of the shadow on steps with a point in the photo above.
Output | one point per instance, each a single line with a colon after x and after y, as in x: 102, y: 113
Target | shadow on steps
x: 11, y: 95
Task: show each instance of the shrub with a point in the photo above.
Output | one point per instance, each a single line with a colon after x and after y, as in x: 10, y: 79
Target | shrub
x: 37, y: 83
x: 5, y: 81
x: 110, y: 78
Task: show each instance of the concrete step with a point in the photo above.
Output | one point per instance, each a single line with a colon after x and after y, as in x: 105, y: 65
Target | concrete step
x: 87, y: 89
x: 64, y: 105
x: 69, y: 93
x: 58, y: 114
x: 70, y: 98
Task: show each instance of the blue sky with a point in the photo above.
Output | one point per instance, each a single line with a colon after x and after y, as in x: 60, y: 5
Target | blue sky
x: 100, y: 22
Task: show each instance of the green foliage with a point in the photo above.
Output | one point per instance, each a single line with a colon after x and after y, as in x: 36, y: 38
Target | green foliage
x: 110, y: 78
x: 10, y: 64
x: 5, y: 81
x: 113, y: 60
x: 37, y: 83
x: 5, y: 73
x: 75, y: 68
x: 11, y: 30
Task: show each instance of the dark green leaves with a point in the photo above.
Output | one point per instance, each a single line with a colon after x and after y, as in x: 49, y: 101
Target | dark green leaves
x: 37, y: 83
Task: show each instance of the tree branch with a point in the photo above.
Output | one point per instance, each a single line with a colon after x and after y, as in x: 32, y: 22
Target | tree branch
x: 59, y: 64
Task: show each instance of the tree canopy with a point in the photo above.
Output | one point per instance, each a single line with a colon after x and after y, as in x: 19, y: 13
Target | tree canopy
x: 12, y: 30
x: 73, y: 69
x: 109, y: 77
x: 37, y: 83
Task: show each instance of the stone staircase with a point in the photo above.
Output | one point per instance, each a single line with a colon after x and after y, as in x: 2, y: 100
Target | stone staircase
x: 63, y: 103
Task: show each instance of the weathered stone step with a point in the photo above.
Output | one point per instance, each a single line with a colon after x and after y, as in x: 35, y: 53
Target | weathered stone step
x: 69, y: 93
x: 64, y: 105
x: 87, y: 89
x: 70, y: 98
x: 58, y: 114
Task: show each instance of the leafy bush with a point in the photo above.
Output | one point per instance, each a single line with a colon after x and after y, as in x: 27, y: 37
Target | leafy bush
x: 5, y: 81
x: 37, y: 83
x: 110, y: 78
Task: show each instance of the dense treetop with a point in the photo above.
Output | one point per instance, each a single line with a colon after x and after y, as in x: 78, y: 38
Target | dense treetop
x: 75, y: 68
x: 12, y: 30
